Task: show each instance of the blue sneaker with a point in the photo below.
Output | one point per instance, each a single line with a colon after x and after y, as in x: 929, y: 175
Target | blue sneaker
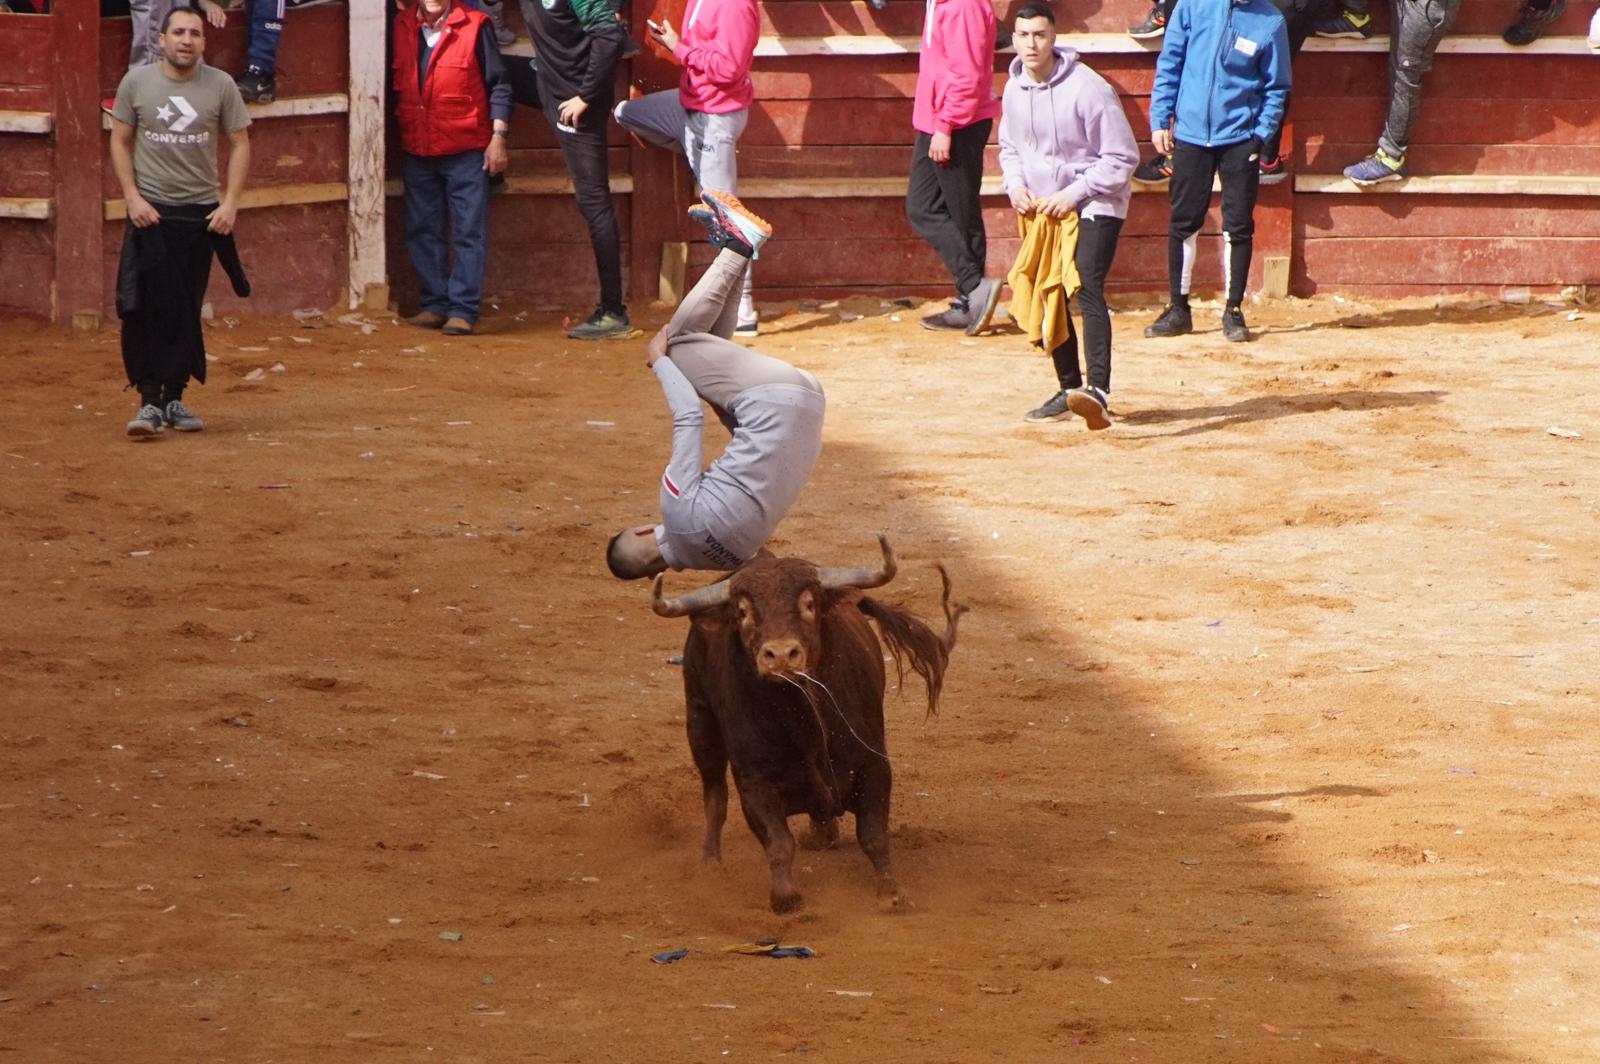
x: 1376, y: 168
x: 1344, y: 24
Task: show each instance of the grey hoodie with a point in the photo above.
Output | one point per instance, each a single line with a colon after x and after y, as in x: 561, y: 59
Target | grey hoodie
x: 1068, y: 132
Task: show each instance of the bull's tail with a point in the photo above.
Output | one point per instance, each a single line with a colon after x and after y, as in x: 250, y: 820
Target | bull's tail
x: 912, y: 643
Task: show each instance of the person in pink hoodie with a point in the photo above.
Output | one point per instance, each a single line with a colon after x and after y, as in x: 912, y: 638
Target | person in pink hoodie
x: 953, y: 114
x: 703, y: 118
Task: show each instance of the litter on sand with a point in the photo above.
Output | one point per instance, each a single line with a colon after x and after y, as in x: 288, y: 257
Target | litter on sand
x: 668, y: 956
x: 851, y: 993
x: 1565, y: 434
x: 769, y: 948
x: 451, y: 936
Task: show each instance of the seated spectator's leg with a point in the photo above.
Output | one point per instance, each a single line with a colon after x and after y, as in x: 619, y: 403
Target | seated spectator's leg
x: 1419, y: 26
x: 1193, y: 170
x: 467, y: 188
x: 658, y: 119
x: 146, y: 16
x: 1240, y: 176
x: 1097, y: 247
x: 266, y: 27
x: 585, y: 152
x: 425, y: 219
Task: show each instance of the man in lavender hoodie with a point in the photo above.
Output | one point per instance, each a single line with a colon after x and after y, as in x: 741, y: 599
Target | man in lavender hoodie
x: 1065, y: 145
x: 953, y: 114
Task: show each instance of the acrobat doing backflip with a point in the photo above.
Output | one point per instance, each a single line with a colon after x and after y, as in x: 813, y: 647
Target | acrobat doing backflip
x: 719, y: 517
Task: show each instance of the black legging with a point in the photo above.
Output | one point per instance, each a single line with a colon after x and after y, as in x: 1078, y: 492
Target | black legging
x: 585, y: 151
x: 1097, y: 246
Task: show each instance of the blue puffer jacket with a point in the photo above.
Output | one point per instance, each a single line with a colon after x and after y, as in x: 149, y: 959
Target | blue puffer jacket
x: 1224, y: 69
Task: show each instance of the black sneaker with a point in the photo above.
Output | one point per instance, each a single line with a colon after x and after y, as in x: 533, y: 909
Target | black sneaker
x: 257, y: 86
x: 1233, y: 327
x: 1090, y: 404
x: 1154, y: 25
x: 953, y: 319
x: 1271, y: 173
x: 1344, y: 24
x: 1531, y: 22
x: 1154, y: 174
x: 1052, y: 409
x: 1174, y: 321
x: 603, y: 324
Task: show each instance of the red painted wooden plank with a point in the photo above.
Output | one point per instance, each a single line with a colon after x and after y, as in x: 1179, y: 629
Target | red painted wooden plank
x: 1473, y: 77
x: 1525, y: 121
x: 1482, y: 260
x: 900, y: 18
x: 1379, y: 215
x: 26, y: 43
x: 79, y: 158
x: 1547, y: 159
x: 28, y: 166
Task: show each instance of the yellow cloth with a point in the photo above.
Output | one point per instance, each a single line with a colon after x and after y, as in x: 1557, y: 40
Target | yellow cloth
x: 1045, y: 276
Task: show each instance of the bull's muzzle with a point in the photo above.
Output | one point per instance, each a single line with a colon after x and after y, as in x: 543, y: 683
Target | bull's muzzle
x: 780, y: 659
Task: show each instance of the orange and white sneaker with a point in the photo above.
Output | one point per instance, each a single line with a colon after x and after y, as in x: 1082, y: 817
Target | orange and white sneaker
x: 744, y: 226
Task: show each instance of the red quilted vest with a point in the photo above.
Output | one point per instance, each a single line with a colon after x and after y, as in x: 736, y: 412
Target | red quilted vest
x: 449, y: 114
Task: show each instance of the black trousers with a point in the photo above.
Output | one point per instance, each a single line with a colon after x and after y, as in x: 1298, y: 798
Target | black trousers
x: 1097, y: 246
x: 1193, y: 169
x: 942, y: 202
x: 584, y: 149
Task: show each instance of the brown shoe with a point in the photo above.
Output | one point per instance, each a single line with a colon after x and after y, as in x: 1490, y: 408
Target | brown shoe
x: 458, y: 327
x: 426, y: 320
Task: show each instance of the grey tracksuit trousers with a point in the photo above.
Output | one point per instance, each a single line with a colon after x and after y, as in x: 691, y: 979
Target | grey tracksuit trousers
x: 1419, y: 26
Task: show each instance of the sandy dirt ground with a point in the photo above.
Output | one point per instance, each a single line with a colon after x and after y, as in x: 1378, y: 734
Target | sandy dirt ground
x: 1271, y: 735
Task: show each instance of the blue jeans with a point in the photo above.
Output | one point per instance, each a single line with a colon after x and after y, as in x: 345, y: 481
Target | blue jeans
x: 266, y: 26
x: 453, y: 187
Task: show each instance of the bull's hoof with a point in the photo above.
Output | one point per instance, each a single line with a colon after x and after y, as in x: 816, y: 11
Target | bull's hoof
x: 892, y: 900
x: 785, y: 903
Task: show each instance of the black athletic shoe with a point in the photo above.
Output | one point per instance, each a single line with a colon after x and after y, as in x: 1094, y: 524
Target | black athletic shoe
x: 1154, y: 174
x: 1052, y: 409
x: 1233, y: 326
x: 1531, y: 22
x: 1154, y: 25
x: 603, y: 324
x: 257, y: 86
x: 1091, y: 404
x: 1174, y: 321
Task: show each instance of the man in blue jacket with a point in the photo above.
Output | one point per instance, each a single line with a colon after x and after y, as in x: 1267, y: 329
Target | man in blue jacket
x: 1222, y: 84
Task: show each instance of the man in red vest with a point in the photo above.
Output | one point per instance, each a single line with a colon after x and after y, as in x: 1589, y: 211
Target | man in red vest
x: 453, y: 103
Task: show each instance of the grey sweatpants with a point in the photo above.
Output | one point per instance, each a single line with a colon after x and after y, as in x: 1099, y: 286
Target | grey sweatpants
x: 709, y: 143
x: 1418, y: 27
x: 699, y: 345
x: 146, y: 17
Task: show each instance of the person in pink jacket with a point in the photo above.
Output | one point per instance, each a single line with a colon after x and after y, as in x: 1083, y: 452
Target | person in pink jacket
x: 703, y: 118
x: 953, y: 114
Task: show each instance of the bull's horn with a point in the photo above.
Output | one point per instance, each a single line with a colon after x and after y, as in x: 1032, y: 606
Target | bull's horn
x: 834, y: 579
x: 696, y: 601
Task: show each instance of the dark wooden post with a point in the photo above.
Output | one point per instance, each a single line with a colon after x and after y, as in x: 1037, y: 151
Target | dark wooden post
x: 79, y: 164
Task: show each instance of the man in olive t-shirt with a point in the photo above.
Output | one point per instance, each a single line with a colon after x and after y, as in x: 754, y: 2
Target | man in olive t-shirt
x: 167, y: 119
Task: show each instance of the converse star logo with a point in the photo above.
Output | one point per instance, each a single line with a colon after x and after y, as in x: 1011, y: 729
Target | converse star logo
x: 165, y: 114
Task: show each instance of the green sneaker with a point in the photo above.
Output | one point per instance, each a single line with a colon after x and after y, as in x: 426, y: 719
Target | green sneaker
x: 603, y: 324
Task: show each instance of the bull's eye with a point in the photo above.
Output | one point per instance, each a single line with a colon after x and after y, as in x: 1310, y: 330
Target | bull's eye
x: 808, y: 605
x: 746, y: 614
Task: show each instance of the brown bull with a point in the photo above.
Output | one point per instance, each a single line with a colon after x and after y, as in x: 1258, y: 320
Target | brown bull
x: 784, y: 679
